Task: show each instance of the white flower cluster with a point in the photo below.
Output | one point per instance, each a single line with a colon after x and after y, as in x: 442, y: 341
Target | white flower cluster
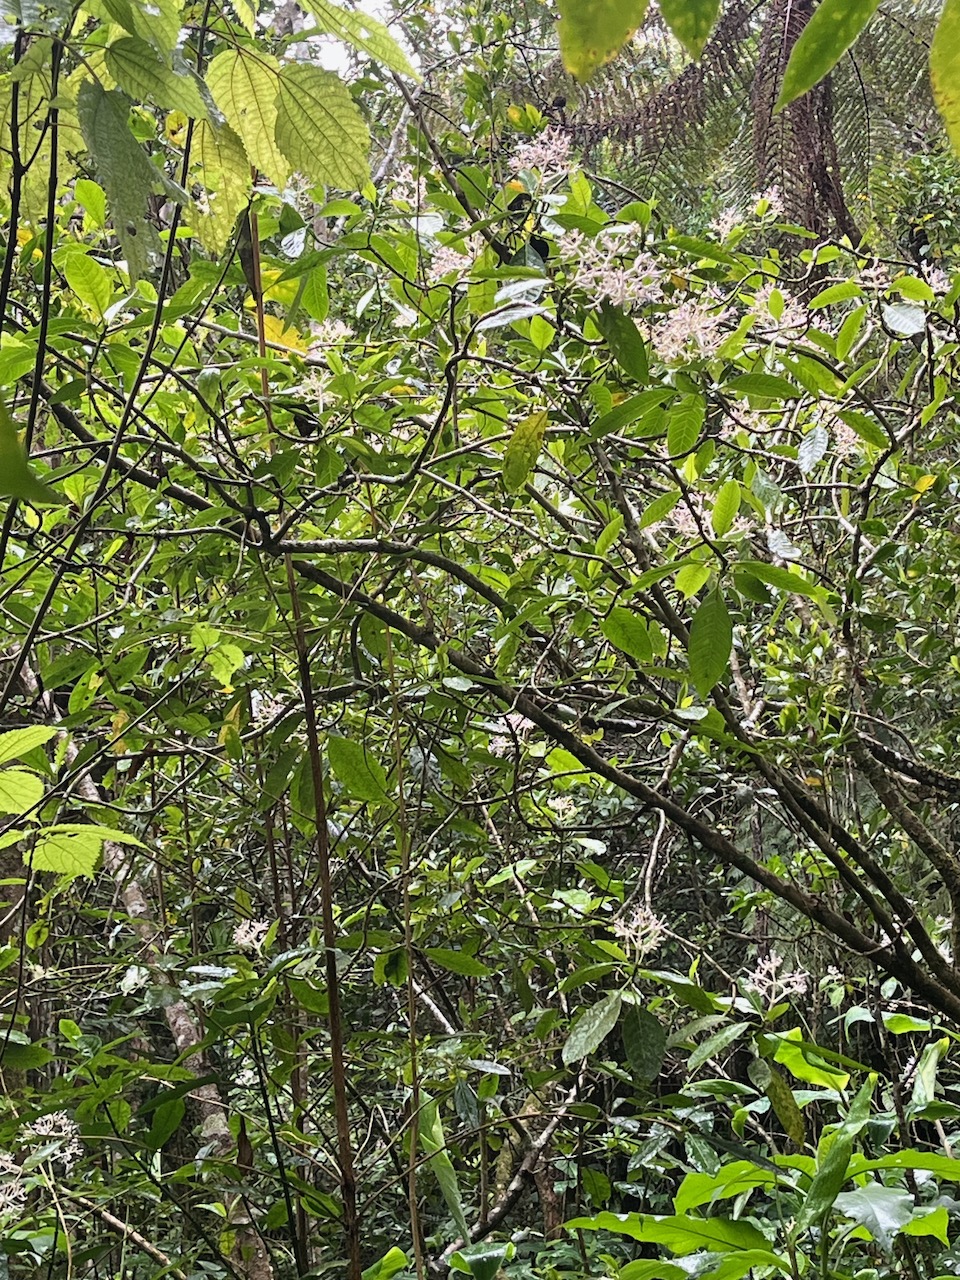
x: 409, y: 188
x: 328, y: 333
x: 691, y: 329
x: 780, y: 307
x: 249, y: 935
x: 56, y: 1128
x: 446, y: 260
x: 642, y: 932
x: 13, y: 1193
x: 515, y: 726
x: 613, y: 265
x: 773, y: 984
x: 548, y: 153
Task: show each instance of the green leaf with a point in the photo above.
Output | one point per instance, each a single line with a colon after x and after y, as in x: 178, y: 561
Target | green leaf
x: 609, y: 536
x: 730, y: 1181
x: 725, y: 507
x: 89, y: 281
x: 434, y: 1144
x: 812, y: 449
x: 16, y: 743
x: 166, y: 1121
x: 15, y: 1056
x: 684, y: 423
x: 319, y: 127
x: 945, y: 69
x: 785, y: 1106
x: 458, y: 962
x: 656, y: 511
x: 522, y: 451
x: 387, y: 1267
x: 835, y: 293
x: 592, y: 32
x: 832, y: 1171
x: 691, y: 578
x: 866, y: 428
x: 715, y: 1045
x: 629, y: 410
x: 678, y: 1233
x: 832, y: 29
x: 157, y: 22
x: 363, y: 32
x: 624, y: 340
x: 711, y: 639
x: 145, y: 76
x: 591, y: 1028
x: 782, y: 579
x: 935, y: 1223
x: 361, y: 775
x: 644, y: 1043
x: 66, y: 853
x: 225, y: 173
x: 803, y: 1062
x: 245, y: 85
x: 691, y: 21
x: 125, y: 172
x: 884, y: 1211
x: 763, y: 386
x: 91, y: 195
x: 19, y: 790
x: 629, y: 633
x: 16, y: 478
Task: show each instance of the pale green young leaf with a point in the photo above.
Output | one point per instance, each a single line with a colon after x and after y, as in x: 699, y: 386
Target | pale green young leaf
x: 592, y: 32
x: 363, y: 32
x: 16, y: 478
x: 591, y: 1028
x: 319, y: 127
x: 711, y: 639
x: 224, y: 170
x: 361, y: 774
x: 16, y: 743
x: 91, y: 195
x: 831, y: 30
x: 145, y: 76
x: 246, y: 11
x: 725, y: 507
x: 245, y: 86
x: 684, y: 423
x: 679, y: 1233
x: 66, y: 853
x: 19, y: 790
x: 945, y: 69
x: 691, y: 21
x: 628, y: 632
x: 691, y: 578
x: 89, y: 281
x: 435, y: 1145
x: 522, y: 451
x: 158, y: 22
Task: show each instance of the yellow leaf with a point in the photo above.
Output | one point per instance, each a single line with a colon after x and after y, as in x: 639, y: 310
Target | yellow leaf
x: 275, y: 331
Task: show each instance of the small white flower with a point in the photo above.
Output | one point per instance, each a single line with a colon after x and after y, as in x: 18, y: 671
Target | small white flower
x: 56, y: 1127
x: 641, y: 933
x: 725, y: 223
x: 447, y: 260
x: 689, y: 330
x: 515, y: 726
x: 549, y: 153
x: 772, y: 984
x: 250, y: 934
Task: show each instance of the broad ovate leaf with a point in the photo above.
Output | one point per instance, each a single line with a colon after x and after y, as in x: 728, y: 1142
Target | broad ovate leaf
x: 523, y: 449
x: 245, y: 85
x: 16, y: 478
x: 319, y: 127
x: 591, y: 1029
x: 360, y: 774
x: 17, y: 743
x: 628, y: 632
x: 365, y: 33
x: 592, y: 32
x: 66, y: 853
x: 832, y: 29
x: 711, y: 639
x: 145, y: 76
x: 691, y: 21
x: 945, y: 69
x: 19, y: 790
x: 224, y: 170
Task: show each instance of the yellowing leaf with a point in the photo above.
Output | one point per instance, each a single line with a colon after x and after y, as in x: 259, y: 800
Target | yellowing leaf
x: 522, y: 451
x: 592, y: 32
x: 319, y: 127
x: 67, y: 853
x: 245, y: 85
x: 285, y: 336
x: 945, y: 69
x: 363, y: 32
x: 691, y: 21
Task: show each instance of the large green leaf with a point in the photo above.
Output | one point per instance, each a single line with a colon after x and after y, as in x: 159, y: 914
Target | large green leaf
x: 884, y: 1211
x: 16, y: 743
x: 319, y: 127
x: 16, y: 478
x: 830, y: 32
x: 644, y: 1043
x: 591, y: 1028
x: 89, y: 281
x: 945, y: 69
x: 224, y: 170
x: 725, y: 507
x: 361, y: 774
x: 522, y: 451
x: 67, y: 853
x: 711, y: 639
x: 833, y: 1168
x: 363, y: 32
x: 592, y: 32
x: 691, y: 21
x: 625, y: 341
x: 245, y: 85
x: 145, y: 76
x: 158, y: 22
x: 19, y: 790
x: 435, y: 1145
x: 125, y: 172
x: 684, y: 424
x: 623, y: 628
x: 679, y: 1233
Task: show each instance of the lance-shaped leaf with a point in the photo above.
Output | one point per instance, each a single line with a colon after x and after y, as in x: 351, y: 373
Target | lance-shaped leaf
x: 945, y: 69
x: 591, y: 1028
x: 592, y: 32
x: 623, y: 628
x: 319, y: 128
x: 725, y: 507
x: 522, y: 450
x: 435, y: 1145
x: 363, y: 32
x: 691, y: 21
x: 124, y: 170
x: 245, y: 86
x: 684, y: 424
x: 16, y: 478
x: 711, y: 639
x: 828, y: 35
